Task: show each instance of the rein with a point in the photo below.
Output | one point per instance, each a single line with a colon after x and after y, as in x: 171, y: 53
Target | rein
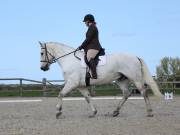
x: 55, y: 59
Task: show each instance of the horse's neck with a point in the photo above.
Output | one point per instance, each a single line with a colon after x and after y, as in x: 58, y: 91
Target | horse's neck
x: 58, y: 50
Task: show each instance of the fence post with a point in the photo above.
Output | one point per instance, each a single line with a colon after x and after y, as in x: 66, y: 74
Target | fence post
x: 173, y: 88
x: 21, y: 89
x: 44, y: 87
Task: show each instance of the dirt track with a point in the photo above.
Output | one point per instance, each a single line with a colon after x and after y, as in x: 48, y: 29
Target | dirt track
x: 39, y: 118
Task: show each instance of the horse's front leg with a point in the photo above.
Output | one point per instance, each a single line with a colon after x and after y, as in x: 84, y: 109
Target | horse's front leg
x: 59, y: 105
x: 69, y: 86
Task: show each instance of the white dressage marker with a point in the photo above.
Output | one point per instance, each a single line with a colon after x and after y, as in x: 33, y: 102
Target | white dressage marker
x: 20, y: 101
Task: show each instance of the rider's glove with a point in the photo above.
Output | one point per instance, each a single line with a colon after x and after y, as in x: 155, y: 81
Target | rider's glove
x: 79, y: 48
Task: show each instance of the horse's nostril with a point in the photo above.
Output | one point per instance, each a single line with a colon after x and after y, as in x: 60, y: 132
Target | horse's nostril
x: 42, y: 68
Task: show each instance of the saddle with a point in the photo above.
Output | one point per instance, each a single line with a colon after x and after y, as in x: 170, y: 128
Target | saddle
x: 96, y: 59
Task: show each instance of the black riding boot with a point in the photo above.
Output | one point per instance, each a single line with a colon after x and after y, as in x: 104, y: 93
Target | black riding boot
x: 92, y: 66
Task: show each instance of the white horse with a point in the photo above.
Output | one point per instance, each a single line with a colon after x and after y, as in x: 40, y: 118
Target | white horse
x: 118, y: 66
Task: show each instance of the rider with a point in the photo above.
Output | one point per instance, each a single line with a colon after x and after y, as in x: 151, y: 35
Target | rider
x: 91, y: 44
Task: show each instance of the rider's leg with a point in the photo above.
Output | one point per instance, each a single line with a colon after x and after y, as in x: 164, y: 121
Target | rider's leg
x: 91, y: 54
x: 92, y: 65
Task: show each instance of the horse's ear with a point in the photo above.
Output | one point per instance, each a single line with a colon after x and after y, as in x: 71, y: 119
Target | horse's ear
x: 41, y: 44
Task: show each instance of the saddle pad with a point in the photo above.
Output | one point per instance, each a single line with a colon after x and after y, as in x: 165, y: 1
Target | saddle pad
x: 102, y: 61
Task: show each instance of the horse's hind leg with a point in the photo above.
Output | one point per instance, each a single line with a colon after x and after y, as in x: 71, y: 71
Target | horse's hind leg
x: 148, y: 105
x: 143, y: 90
x: 124, y: 87
x: 86, y: 94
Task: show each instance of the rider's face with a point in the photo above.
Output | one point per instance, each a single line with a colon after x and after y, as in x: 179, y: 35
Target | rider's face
x: 87, y: 23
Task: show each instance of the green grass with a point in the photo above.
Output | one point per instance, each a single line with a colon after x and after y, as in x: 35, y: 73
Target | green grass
x: 9, y: 94
x: 24, y: 93
x: 177, y: 92
x: 106, y: 90
x: 32, y: 94
x: 54, y: 93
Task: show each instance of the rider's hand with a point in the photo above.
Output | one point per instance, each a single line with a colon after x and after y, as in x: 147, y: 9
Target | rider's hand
x: 79, y: 48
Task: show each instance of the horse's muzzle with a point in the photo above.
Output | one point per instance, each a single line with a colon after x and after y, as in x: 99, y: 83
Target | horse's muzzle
x: 45, y: 68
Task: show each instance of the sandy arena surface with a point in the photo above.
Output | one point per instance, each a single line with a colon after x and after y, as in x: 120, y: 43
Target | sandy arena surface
x: 38, y: 118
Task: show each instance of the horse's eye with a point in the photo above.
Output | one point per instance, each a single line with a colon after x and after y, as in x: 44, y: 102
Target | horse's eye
x: 41, y: 54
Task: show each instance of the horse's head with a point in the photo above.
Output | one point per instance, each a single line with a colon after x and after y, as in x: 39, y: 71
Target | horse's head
x: 46, y: 57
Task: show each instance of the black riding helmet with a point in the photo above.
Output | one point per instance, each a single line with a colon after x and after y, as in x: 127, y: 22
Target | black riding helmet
x: 89, y: 17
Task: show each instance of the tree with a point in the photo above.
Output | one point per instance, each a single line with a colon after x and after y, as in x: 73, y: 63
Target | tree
x: 168, y: 70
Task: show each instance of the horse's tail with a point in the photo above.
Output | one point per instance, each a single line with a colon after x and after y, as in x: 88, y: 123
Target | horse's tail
x: 149, y: 79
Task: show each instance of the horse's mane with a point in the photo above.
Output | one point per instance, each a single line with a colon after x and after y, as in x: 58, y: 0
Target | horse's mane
x: 60, y: 44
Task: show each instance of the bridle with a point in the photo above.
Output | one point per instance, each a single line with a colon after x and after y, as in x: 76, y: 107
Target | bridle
x: 54, y: 59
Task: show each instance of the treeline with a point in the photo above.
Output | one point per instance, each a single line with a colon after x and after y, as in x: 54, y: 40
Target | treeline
x: 168, y: 70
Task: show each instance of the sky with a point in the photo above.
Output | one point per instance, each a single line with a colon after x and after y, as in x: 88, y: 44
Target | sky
x: 149, y: 29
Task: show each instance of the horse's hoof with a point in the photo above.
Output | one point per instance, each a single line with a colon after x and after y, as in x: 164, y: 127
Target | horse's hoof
x: 93, y: 115
x: 115, y: 113
x: 58, y: 114
x: 150, y: 115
